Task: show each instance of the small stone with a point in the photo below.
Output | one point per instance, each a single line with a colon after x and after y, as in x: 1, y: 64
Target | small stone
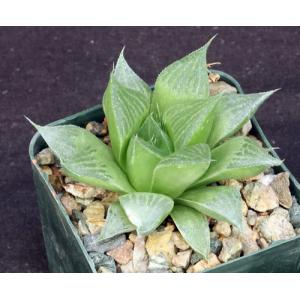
x: 251, y: 217
x: 282, y: 212
x: 69, y: 203
x: 179, y: 242
x: 104, y: 270
x: 215, y: 243
x: 213, y: 77
x: 232, y: 248
x: 260, y: 197
x: 47, y: 170
x: 246, y: 128
x: 56, y: 179
x: 222, y: 228
x: 96, y: 128
x: 84, y: 202
x: 295, y: 214
x: 275, y: 228
x: 109, y: 198
x: 45, y: 157
x: 231, y: 182
x: 82, y: 228
x: 267, y: 179
x: 253, y: 178
x: 262, y: 243
x: 182, y: 259
x: 221, y: 87
x: 102, y: 260
x: 177, y: 270
x: 244, y: 208
x: 281, y: 186
x: 211, y: 261
x: 128, y: 268
x: 92, y: 243
x: 94, y: 214
x: 106, y: 140
x: 83, y: 191
x: 140, y: 257
x: 161, y: 242
x: 195, y: 257
x: 297, y: 231
x: 248, y: 238
x: 68, y: 180
x: 132, y: 237
x: 123, y: 253
x: 159, y: 264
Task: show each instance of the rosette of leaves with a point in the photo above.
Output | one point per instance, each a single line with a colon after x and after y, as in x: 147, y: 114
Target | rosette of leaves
x: 169, y: 146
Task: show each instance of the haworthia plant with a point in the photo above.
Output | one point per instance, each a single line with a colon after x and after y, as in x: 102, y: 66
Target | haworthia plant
x: 168, y: 147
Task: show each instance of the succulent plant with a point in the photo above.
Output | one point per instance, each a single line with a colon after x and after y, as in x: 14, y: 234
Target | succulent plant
x: 169, y: 146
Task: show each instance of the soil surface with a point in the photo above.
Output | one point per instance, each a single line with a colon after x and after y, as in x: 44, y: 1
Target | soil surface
x: 49, y: 73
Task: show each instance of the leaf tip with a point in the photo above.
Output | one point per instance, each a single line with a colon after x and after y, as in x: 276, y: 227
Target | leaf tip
x: 32, y: 123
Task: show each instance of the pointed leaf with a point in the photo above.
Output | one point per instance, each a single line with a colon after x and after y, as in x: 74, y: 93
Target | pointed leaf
x: 194, y: 228
x: 152, y: 132
x: 146, y: 210
x: 222, y: 203
x: 116, y: 222
x: 238, y: 158
x: 232, y: 112
x: 184, y: 80
x: 190, y: 123
x: 128, y: 78
x: 142, y: 158
x: 176, y: 172
x: 126, y: 104
x: 84, y: 157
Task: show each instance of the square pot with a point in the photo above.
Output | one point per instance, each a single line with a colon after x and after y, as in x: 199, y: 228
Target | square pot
x: 65, y: 250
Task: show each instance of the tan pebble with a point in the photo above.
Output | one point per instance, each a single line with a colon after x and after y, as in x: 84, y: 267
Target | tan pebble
x: 69, y: 203
x: 231, y: 249
x: 222, y: 228
x: 182, y: 259
x: 211, y: 261
x: 179, y: 242
x: 122, y: 254
x: 244, y: 208
x: 47, y: 170
x: 132, y: 237
x: 262, y: 243
x: 161, y: 242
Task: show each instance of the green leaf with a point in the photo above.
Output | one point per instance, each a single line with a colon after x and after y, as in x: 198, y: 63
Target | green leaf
x: 194, y: 228
x: 116, y: 222
x: 190, y: 123
x: 222, y: 203
x: 142, y: 158
x: 152, y: 132
x: 238, y: 158
x: 84, y: 157
x: 176, y: 172
x: 183, y: 81
x: 126, y: 104
x: 232, y: 112
x: 146, y: 210
x: 128, y: 78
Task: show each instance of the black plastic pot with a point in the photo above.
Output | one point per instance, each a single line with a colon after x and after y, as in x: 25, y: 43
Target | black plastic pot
x: 65, y: 250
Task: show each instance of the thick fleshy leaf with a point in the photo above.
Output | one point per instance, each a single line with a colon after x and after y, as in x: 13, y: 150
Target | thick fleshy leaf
x: 194, y: 228
x: 116, y: 222
x: 127, y: 77
x: 84, y: 157
x: 232, y: 112
x: 184, y: 80
x: 176, y: 172
x: 190, y: 123
x: 142, y: 158
x: 146, y: 210
x: 152, y: 132
x: 222, y: 203
x: 126, y: 104
x: 238, y: 158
